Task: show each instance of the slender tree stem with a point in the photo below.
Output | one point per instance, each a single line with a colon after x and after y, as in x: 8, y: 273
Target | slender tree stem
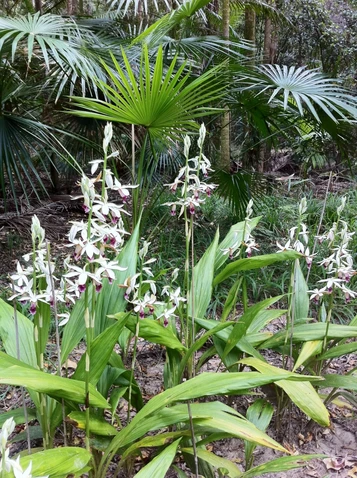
x: 18, y: 355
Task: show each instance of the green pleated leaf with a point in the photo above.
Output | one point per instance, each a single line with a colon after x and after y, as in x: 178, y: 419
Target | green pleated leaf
x: 223, y: 420
x: 42, y: 321
x: 202, y: 281
x: 97, y: 425
x: 340, y: 381
x: 222, y: 464
x: 251, y: 340
x: 154, y: 332
x: 260, y: 414
x: 198, y: 344
x: 101, y: 349
x: 18, y: 415
x: 339, y: 350
x: 256, y: 262
x: 240, y: 328
x: 235, y: 235
x: 154, y: 441
x: 308, y: 350
x: 263, y: 318
x: 160, y: 464
x: 34, y: 431
x: 231, y: 300
x: 301, y: 300
x: 14, y: 372
x: 280, y: 464
x: 301, y: 393
x: 205, y: 384
x: 8, y: 334
x: 308, y: 332
x: 56, y: 463
x: 180, y: 473
x: 75, y: 329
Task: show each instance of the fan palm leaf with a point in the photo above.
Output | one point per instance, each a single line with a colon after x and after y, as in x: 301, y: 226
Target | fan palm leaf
x: 307, y: 90
x: 156, y: 32
x: 138, y: 5
x: 59, y: 42
x: 238, y: 188
x: 49, y: 32
x: 166, y: 103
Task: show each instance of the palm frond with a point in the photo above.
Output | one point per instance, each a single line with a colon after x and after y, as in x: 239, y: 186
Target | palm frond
x: 259, y: 7
x: 238, y: 188
x: 136, y: 6
x: 48, y: 32
x: 205, y: 47
x: 308, y: 90
x: 165, y: 104
x: 156, y: 32
x: 59, y: 42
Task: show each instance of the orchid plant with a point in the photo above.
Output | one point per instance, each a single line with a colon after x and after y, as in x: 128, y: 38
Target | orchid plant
x: 107, y: 293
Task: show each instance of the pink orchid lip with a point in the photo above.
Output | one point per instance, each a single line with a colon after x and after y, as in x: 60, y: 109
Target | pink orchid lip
x: 33, y: 308
x: 82, y: 288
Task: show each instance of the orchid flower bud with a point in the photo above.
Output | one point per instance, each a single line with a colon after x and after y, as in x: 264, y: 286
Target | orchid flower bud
x: 108, y: 134
x: 37, y: 232
x: 201, y: 136
x: 187, y: 145
x: 302, y: 206
x: 342, y: 205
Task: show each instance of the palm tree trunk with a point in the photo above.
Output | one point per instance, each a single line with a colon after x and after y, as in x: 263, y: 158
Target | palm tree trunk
x: 251, y: 158
x: 225, y: 156
x: 268, y: 57
x: 38, y: 6
x: 249, y: 29
x: 267, y: 53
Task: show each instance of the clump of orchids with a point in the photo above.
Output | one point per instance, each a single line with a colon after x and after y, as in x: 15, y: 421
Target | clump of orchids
x: 193, y: 189
x: 96, y: 243
x: 244, y: 243
x: 339, y: 262
x: 338, y: 265
x: 299, y: 236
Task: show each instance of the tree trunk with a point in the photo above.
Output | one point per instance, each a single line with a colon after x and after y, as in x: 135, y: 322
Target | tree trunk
x: 249, y: 30
x: 251, y: 157
x: 38, y: 6
x: 225, y: 153
x: 267, y: 53
x: 268, y: 57
x: 72, y: 7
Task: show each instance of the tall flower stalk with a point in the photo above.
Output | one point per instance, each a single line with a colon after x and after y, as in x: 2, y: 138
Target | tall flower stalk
x: 193, y: 192
x: 338, y: 267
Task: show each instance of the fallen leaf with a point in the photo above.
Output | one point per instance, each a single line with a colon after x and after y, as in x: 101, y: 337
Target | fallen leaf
x: 353, y: 473
x: 336, y: 463
x: 70, y: 364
